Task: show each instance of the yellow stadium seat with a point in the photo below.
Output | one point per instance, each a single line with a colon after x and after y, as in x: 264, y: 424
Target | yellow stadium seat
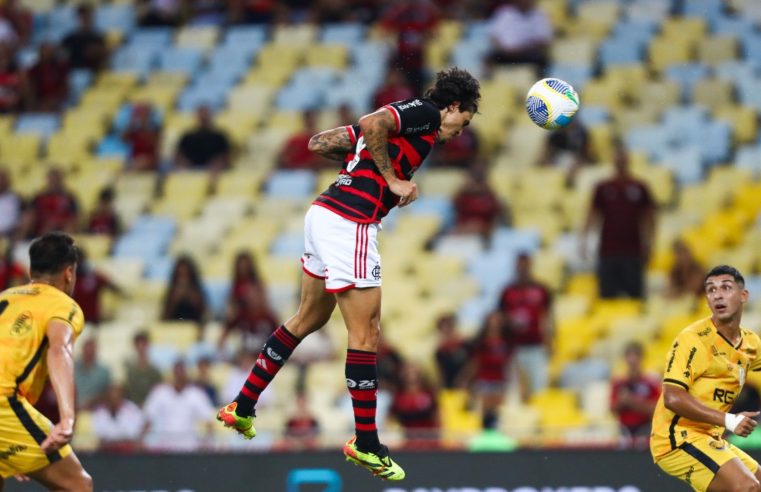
x: 659, y: 94
x: 239, y: 183
x: 603, y: 92
x: 574, y: 50
x: 742, y: 119
x: 159, y: 78
x: 713, y: 93
x: 199, y: 37
x: 24, y: 147
x: 97, y: 246
x: 186, y: 184
x: 665, y: 51
x: 717, y: 49
x: 294, y: 34
x: 582, y: 284
x: 661, y: 182
x: 277, y: 270
x: 627, y: 118
x: 121, y: 81
x: 290, y: 121
x: 178, y: 334
x: 557, y: 11
x: 596, y: 18
x: 520, y: 76
x: 691, y: 29
x: 161, y: 97
x: 39, y: 5
x: 440, y: 182
x: 549, y: 267
x: 331, y: 55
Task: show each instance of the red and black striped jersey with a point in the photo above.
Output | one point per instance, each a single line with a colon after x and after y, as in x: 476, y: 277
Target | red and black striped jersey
x: 360, y: 193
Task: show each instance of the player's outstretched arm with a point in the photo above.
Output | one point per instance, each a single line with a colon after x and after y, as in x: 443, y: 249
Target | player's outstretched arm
x: 376, y: 127
x: 332, y: 144
x: 61, y: 368
x: 679, y: 401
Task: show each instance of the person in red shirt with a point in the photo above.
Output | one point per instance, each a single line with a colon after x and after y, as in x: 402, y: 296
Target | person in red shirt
x: 633, y: 397
x: 49, y: 79
x: 143, y: 137
x: 526, y: 305
x: 302, y: 429
x: 53, y: 209
x: 89, y: 287
x: 14, y: 84
x: 477, y: 208
x: 487, y: 371
x: 395, y: 88
x: 414, y: 407
x: 104, y: 219
x: 20, y: 18
x: 295, y: 153
x: 624, y: 210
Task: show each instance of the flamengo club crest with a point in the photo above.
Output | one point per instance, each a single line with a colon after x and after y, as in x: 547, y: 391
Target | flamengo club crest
x: 376, y: 272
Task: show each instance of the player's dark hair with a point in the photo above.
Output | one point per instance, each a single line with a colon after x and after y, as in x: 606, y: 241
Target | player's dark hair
x: 51, y: 253
x: 455, y: 84
x: 726, y: 270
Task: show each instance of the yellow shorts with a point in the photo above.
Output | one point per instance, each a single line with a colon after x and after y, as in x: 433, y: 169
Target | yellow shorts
x: 697, y: 462
x: 22, y: 430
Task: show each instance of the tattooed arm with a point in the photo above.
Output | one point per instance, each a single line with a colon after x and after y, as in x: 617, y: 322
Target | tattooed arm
x: 333, y: 144
x: 376, y: 128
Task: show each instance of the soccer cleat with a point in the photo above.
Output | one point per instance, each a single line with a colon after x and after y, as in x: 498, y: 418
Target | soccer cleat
x: 381, y: 465
x: 242, y: 425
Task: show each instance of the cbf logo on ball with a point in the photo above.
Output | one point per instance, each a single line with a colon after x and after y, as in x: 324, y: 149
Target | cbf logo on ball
x: 552, y: 103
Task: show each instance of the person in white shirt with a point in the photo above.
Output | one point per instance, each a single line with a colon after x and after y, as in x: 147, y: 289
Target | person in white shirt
x: 520, y: 32
x: 175, y: 413
x: 117, y: 422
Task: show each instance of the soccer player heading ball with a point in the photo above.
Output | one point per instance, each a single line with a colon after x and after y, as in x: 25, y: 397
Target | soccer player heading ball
x: 341, y: 262
x: 705, y: 371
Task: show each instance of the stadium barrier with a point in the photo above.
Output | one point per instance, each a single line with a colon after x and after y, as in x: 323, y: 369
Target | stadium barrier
x: 522, y: 471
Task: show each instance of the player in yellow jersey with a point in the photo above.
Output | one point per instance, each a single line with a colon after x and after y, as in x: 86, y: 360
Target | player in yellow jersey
x: 38, y: 325
x: 705, y: 371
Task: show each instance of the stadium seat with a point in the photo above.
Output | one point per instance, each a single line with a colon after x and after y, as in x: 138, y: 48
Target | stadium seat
x: 347, y: 33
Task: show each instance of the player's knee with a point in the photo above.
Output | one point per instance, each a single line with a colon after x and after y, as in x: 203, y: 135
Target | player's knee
x: 746, y: 485
x: 85, y: 482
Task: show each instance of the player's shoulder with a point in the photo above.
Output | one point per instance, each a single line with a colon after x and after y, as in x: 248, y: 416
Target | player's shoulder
x: 700, y: 330
x: 751, y: 337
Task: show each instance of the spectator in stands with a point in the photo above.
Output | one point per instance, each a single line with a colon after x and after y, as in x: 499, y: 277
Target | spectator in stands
x: 459, y: 153
x: 14, y: 83
x: 140, y: 375
x: 53, y: 209
x: 49, y: 79
x: 184, y: 298
x: 208, y: 12
x: 487, y: 370
x: 90, y: 286
x: 161, y: 13
x: 11, y: 206
x: 451, y: 353
x: 389, y: 365
x: 302, y: 429
x: 520, y: 32
x: 252, y: 317
x: 242, y: 364
x: 12, y: 273
x: 188, y: 407
x: 346, y: 115
x: 412, y: 21
x: 394, y: 88
x: 295, y: 153
x: 414, y: 407
x: 104, y: 219
x: 477, y: 208
x: 86, y: 47
x: 686, y: 275
x: 568, y: 148
x: 92, y: 378
x: 20, y: 18
x: 204, y: 147
x: 633, y: 397
x: 117, y: 422
x: 143, y: 136
x: 253, y: 11
x: 526, y: 305
x: 203, y: 379
x: 624, y: 210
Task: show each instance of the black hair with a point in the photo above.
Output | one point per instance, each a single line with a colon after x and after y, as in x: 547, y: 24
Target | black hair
x: 107, y: 194
x: 455, y: 84
x: 726, y: 270
x: 52, y: 253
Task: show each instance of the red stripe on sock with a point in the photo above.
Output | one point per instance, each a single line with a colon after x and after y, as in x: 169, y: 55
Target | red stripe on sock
x: 366, y: 427
x: 283, y: 337
x: 364, y: 412
x: 249, y: 394
x: 363, y: 395
x: 257, y: 381
x: 269, y: 366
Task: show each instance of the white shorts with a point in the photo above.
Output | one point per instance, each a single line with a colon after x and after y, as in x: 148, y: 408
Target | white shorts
x: 342, y: 252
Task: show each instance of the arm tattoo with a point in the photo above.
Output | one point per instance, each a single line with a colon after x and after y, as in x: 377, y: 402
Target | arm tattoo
x: 376, y: 140
x: 333, y: 144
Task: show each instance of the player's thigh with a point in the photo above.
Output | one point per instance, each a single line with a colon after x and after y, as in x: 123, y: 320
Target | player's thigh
x: 361, y: 312
x: 315, y: 307
x: 65, y: 474
x: 698, y: 463
x: 733, y: 476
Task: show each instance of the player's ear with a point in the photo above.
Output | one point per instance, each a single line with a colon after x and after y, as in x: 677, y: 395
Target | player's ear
x: 744, y: 295
x: 455, y: 106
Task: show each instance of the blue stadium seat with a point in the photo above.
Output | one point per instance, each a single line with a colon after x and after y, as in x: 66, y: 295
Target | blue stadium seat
x: 594, y: 115
x: 213, y: 96
x: 79, y: 81
x: 246, y: 36
x: 708, y: 9
x: 683, y: 122
x: 514, y: 241
x: 140, y: 246
x: 155, y: 225
x: 345, y: 33
x: 469, y: 55
x: 621, y: 51
x: 737, y: 71
x: 686, y: 75
x: 478, y: 32
x: 297, y: 184
x: 685, y: 162
x: 152, y: 37
x: 288, y: 244
x: 230, y: 59
x: 715, y: 142
x: 753, y: 285
x: 640, y: 31
x: 112, y: 147
x: 159, y: 268
x: 61, y: 21
x: 749, y: 157
x: 474, y: 311
x: 576, y: 75
x: 726, y: 25
x: 651, y: 139
x: 134, y: 58
x: 749, y: 92
x: 492, y: 271
x: 430, y: 204
x: 217, y: 292
x: 120, y: 17
x: 299, y: 98
x: 27, y: 56
x: 42, y: 124
x: 186, y: 60
x: 751, y: 43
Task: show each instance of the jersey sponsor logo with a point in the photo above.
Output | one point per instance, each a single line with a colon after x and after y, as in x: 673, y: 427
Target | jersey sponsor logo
x: 688, y: 367
x: 412, y: 104
x: 343, y: 180
x: 22, y: 325
x: 705, y: 332
x: 419, y: 129
x: 376, y: 272
x: 13, y: 450
x: 671, y: 358
x: 27, y: 291
x: 274, y: 355
x: 724, y: 396
x: 688, y: 475
x: 717, y: 445
x: 363, y: 384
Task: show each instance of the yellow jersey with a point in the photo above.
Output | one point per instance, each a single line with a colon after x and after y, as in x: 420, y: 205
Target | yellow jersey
x: 712, y: 370
x: 25, y: 312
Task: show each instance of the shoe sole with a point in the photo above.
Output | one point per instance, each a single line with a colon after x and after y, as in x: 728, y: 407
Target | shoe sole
x: 229, y: 422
